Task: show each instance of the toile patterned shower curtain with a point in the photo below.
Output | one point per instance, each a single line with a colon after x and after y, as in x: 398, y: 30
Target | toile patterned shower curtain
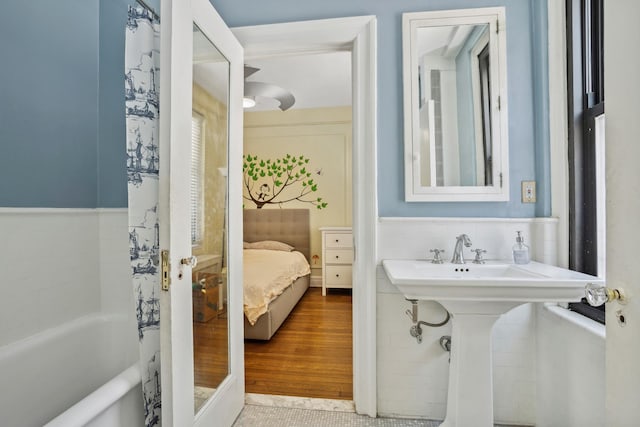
x: 142, y: 60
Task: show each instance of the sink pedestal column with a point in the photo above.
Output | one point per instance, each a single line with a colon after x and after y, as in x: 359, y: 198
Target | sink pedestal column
x: 470, y: 394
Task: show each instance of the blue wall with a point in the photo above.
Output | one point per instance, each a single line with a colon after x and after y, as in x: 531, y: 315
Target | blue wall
x: 48, y: 103
x: 62, y: 122
x: 112, y: 172
x: 527, y: 157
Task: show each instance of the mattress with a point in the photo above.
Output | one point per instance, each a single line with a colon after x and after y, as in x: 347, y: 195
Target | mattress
x: 267, y: 273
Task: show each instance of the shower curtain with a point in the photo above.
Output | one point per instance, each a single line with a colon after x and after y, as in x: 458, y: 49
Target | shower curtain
x: 142, y: 43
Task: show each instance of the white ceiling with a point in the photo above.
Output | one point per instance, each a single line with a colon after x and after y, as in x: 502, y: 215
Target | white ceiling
x: 319, y: 80
x: 316, y: 80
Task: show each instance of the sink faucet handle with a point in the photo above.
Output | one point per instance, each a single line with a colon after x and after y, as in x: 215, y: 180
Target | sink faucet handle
x: 437, y: 259
x: 478, y: 259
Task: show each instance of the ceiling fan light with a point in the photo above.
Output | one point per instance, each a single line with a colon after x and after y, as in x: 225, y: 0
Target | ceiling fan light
x: 248, y: 102
x: 266, y: 90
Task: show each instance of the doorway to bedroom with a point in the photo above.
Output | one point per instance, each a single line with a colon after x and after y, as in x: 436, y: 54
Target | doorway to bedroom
x: 300, y: 159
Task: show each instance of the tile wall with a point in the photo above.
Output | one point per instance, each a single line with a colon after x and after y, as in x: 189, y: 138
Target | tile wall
x: 571, y: 373
x: 50, y: 274
x: 61, y: 264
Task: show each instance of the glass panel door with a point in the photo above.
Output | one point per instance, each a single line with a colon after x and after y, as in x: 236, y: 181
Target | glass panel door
x: 201, y: 159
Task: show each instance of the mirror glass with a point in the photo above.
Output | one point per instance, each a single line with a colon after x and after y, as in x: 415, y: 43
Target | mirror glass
x: 455, y: 130
x: 209, y: 160
x: 447, y: 75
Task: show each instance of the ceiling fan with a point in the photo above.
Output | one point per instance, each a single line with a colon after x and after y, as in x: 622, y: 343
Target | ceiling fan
x: 253, y: 90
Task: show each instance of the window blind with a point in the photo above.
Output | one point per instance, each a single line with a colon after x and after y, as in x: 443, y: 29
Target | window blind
x: 197, y: 179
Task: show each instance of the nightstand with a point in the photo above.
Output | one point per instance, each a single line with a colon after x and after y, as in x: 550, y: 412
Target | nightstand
x: 207, y: 292
x: 337, y: 258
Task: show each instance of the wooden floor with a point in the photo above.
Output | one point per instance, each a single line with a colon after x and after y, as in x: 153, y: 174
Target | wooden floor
x: 310, y: 355
x: 210, y: 351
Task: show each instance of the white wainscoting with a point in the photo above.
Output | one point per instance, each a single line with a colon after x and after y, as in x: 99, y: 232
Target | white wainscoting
x: 571, y: 373
x: 62, y: 264
x: 412, y: 377
x: 50, y: 271
x: 116, y: 294
x: 401, y: 238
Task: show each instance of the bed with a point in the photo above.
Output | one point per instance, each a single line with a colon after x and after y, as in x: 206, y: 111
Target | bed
x: 289, y: 226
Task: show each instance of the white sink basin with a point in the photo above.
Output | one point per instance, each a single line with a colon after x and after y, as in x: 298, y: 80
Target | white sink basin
x: 493, y: 281
x: 477, y: 295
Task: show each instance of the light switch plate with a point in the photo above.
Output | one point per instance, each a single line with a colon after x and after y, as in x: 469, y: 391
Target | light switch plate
x: 528, y: 191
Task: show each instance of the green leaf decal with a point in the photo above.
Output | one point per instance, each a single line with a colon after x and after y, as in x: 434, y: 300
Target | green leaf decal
x: 296, y: 174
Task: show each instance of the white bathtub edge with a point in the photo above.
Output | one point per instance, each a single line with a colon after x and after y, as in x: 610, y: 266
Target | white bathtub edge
x: 97, y: 402
x: 579, y: 320
x: 27, y: 343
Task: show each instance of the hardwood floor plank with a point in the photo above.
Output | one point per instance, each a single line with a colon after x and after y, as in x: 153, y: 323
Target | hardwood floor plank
x: 310, y: 355
x: 210, y: 354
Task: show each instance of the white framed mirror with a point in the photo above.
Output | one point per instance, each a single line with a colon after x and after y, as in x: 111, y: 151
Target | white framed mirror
x: 456, y: 143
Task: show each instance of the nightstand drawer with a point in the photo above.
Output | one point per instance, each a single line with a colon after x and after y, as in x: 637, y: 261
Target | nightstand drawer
x: 339, y: 256
x: 338, y: 240
x: 338, y: 275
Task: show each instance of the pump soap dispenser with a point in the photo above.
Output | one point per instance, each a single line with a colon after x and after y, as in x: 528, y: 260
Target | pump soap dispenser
x: 520, y: 251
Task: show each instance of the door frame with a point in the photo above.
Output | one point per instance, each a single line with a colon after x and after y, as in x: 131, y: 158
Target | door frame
x: 558, y: 126
x: 359, y: 36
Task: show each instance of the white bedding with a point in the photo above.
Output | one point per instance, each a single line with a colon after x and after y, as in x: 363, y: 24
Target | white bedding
x: 266, y: 275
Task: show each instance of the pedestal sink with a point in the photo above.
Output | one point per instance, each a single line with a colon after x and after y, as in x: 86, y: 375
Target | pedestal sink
x: 477, y: 295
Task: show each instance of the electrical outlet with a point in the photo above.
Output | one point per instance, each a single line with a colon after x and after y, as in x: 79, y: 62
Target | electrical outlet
x: 528, y: 191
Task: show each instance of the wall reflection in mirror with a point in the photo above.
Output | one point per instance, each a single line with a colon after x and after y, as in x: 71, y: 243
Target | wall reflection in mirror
x: 456, y: 139
x: 209, y: 143
x: 454, y: 107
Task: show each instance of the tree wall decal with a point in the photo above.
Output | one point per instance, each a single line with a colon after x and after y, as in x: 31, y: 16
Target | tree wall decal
x: 279, y: 181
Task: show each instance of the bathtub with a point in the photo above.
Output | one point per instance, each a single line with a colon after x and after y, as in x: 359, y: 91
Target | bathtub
x: 83, y: 372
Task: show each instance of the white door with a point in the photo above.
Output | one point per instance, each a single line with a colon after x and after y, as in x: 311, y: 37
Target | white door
x: 193, y: 33
x: 622, y: 109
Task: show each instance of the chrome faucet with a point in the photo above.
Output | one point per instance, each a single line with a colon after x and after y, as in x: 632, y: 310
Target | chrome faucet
x: 458, y: 255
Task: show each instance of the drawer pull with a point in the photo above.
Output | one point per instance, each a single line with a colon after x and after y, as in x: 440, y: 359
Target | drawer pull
x: 337, y: 275
x: 337, y: 240
x: 337, y: 256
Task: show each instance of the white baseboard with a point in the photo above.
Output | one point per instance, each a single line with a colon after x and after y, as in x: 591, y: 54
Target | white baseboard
x: 315, y: 282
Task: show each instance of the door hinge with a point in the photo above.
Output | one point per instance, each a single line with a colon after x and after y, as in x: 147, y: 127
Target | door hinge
x: 165, y: 270
x: 499, y: 103
x: 500, y: 179
x: 497, y: 27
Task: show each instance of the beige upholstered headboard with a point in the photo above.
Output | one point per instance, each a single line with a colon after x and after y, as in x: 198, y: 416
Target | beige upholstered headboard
x: 290, y: 226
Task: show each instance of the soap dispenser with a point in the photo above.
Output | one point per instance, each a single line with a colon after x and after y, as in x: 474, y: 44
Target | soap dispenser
x: 520, y: 250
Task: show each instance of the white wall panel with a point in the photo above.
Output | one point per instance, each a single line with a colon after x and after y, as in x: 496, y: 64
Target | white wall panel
x: 571, y: 369
x: 49, y: 264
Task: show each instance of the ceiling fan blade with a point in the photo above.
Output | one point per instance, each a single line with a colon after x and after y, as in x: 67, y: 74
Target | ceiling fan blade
x: 248, y: 71
x: 267, y: 90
